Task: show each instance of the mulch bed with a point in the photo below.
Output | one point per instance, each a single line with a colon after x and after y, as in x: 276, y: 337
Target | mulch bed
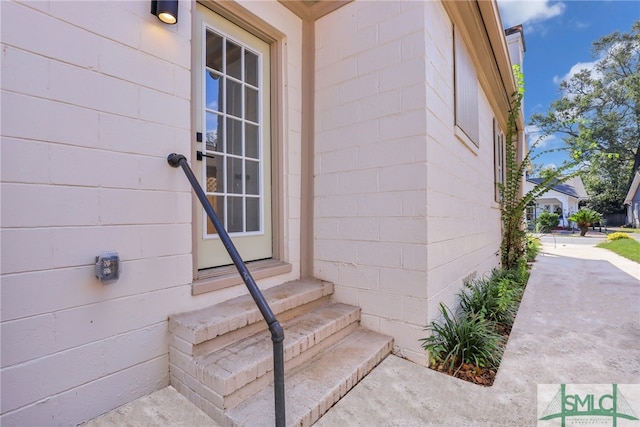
x: 470, y: 373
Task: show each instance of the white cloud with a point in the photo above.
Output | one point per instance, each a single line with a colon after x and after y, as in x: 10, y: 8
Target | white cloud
x: 546, y: 142
x: 580, y: 24
x: 575, y: 69
x: 591, y: 66
x: 539, y: 140
x: 515, y: 12
x: 533, y: 129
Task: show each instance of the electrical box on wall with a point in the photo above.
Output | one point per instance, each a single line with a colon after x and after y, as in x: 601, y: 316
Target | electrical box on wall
x: 108, y: 267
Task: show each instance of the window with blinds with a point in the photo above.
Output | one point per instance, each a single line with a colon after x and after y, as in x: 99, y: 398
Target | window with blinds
x: 466, y: 91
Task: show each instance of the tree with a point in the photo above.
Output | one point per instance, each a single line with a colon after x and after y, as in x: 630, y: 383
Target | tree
x: 607, y: 185
x: 584, y: 218
x: 547, y: 171
x: 598, y: 116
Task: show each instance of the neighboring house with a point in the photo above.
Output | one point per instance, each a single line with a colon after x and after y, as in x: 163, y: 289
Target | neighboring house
x: 562, y: 199
x: 356, y: 143
x: 632, y: 202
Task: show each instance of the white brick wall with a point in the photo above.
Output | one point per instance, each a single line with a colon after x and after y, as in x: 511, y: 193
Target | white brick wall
x: 95, y: 95
x: 403, y: 209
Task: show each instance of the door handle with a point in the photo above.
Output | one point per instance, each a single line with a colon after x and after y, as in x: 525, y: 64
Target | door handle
x: 200, y: 155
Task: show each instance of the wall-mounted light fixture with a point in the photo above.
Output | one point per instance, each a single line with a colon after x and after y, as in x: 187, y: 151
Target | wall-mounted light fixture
x: 166, y: 11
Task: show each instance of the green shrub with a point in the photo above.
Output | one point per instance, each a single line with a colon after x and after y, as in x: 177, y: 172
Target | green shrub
x: 519, y: 274
x: 548, y: 221
x: 532, y: 248
x: 508, y: 296
x: 617, y: 236
x: 477, y: 298
x: 476, y: 334
x: 495, y: 298
x: 462, y: 339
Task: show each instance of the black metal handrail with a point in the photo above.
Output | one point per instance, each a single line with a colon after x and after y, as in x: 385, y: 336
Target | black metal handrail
x: 277, y: 333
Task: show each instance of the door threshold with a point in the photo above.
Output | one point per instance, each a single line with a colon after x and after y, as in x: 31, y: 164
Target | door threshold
x: 214, y: 279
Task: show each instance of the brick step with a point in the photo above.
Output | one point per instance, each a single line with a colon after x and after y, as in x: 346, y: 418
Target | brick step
x: 316, y: 386
x: 221, y: 357
x: 195, y: 332
x: 240, y: 369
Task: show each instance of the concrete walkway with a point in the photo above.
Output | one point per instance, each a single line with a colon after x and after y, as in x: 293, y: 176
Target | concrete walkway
x: 578, y: 323
x: 164, y: 408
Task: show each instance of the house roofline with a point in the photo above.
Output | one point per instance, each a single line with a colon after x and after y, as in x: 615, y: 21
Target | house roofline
x: 559, y: 191
x: 632, y: 189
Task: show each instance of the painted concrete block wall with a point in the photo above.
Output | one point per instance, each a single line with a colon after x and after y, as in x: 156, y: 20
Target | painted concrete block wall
x: 371, y: 170
x: 464, y: 220
x: 95, y: 95
x: 462, y: 215
x: 403, y: 209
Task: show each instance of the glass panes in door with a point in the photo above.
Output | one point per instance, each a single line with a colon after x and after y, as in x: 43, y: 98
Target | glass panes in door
x: 232, y: 122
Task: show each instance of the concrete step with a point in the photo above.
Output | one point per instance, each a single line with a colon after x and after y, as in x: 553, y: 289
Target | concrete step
x: 316, y: 386
x: 242, y: 368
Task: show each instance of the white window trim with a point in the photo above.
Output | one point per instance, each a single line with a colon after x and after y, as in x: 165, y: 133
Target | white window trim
x: 499, y: 172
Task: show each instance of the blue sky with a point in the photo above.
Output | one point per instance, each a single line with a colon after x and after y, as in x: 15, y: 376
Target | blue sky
x: 558, y: 37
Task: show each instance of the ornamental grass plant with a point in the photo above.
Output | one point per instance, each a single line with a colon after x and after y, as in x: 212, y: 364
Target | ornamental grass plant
x: 469, y: 342
x: 462, y: 338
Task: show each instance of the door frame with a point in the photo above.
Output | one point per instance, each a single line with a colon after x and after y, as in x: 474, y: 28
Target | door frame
x: 254, y: 242
x: 222, y: 277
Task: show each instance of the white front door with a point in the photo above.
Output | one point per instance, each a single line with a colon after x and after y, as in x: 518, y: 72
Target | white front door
x: 232, y: 113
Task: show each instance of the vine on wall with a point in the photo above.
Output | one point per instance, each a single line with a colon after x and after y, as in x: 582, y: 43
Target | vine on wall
x: 514, y: 202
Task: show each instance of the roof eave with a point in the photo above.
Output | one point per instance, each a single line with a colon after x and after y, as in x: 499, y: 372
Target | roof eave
x: 562, y: 192
x: 632, y: 189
